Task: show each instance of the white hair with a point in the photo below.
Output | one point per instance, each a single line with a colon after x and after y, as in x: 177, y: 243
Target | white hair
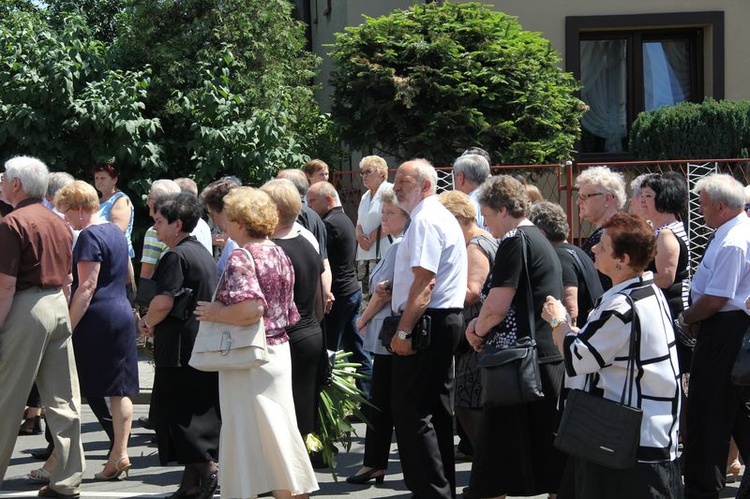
x: 164, y: 187
x: 475, y: 167
x: 722, y: 188
x: 604, y: 178
x: 32, y: 173
x: 425, y: 171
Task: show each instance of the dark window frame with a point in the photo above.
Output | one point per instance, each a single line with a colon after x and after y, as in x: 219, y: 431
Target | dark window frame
x: 638, y: 27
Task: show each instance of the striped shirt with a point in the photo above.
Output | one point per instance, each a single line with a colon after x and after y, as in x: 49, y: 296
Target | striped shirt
x: 601, y: 350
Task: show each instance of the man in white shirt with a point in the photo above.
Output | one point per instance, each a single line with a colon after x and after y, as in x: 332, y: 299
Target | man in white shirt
x: 716, y: 409
x: 469, y: 172
x: 430, y: 279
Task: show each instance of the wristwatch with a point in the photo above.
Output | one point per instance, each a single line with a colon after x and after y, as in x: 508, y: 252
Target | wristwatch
x: 557, y: 321
x: 402, y: 335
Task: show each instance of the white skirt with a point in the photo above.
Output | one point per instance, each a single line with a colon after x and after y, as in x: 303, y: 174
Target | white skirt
x: 261, y: 448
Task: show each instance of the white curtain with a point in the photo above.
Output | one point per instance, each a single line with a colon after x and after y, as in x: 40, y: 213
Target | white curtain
x: 666, y: 73
x: 604, y: 78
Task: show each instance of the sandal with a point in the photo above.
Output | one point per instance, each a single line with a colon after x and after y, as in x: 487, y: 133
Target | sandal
x: 39, y: 475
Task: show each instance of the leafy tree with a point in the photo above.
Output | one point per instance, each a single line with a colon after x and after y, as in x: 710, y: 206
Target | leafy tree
x: 434, y: 79
x: 231, y: 84
x: 101, y: 15
x: 61, y: 102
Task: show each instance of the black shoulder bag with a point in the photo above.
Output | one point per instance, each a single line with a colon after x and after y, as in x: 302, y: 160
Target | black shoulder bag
x: 603, y: 431
x: 511, y: 376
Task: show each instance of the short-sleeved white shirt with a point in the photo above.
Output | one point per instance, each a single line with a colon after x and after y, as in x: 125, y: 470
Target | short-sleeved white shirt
x: 433, y: 241
x: 202, y: 233
x: 474, y: 197
x: 368, y: 217
x: 725, y: 268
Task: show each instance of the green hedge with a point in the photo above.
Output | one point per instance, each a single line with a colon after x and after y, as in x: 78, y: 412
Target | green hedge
x: 711, y: 129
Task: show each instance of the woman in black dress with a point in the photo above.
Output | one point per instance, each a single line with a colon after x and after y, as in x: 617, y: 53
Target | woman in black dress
x: 515, y: 454
x: 305, y: 337
x: 186, y: 401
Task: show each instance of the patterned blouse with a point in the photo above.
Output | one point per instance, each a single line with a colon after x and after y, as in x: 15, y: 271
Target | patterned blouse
x: 269, y: 277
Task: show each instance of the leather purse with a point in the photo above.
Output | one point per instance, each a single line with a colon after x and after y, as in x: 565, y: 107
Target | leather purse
x: 420, y: 337
x: 603, y: 431
x: 741, y: 368
x: 226, y: 347
x: 511, y: 375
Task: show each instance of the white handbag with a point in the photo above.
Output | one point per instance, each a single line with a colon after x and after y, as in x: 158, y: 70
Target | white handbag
x: 226, y: 347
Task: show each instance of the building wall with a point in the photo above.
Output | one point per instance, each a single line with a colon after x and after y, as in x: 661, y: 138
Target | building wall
x: 548, y: 17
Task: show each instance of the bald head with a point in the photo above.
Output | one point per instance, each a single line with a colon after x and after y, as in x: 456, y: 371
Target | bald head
x: 322, y: 197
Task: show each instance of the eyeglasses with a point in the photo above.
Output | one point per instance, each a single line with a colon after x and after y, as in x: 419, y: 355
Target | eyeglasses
x: 365, y: 173
x: 584, y: 197
x: 747, y: 207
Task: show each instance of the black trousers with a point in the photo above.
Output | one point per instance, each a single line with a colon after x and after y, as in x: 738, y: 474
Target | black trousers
x: 380, y: 432
x: 716, y: 408
x: 421, y: 405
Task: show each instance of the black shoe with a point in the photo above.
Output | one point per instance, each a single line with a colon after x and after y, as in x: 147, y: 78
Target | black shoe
x: 208, y: 486
x: 42, y: 455
x: 146, y: 423
x: 31, y: 426
x: 365, y: 477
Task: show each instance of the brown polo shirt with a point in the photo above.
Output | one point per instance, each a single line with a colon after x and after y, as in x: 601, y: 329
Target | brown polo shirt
x: 35, y: 246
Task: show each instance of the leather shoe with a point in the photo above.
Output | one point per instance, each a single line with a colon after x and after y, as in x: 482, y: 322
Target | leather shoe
x: 48, y: 491
x: 42, y: 455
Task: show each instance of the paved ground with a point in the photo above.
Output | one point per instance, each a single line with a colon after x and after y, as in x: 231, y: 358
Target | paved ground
x: 148, y: 479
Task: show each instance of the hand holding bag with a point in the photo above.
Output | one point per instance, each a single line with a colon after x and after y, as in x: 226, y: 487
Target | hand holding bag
x: 600, y: 430
x: 511, y: 375
x: 226, y: 347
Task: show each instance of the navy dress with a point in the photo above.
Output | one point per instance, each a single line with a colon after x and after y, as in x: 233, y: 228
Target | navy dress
x: 104, y: 341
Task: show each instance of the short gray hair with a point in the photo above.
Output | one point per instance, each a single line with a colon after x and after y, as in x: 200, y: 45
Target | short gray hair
x: 297, y: 177
x: 425, y: 171
x: 163, y: 187
x: 327, y: 189
x: 604, y: 178
x: 722, y: 188
x: 58, y: 180
x: 32, y: 173
x: 475, y: 168
x: 388, y: 196
x: 187, y: 185
x: 551, y: 219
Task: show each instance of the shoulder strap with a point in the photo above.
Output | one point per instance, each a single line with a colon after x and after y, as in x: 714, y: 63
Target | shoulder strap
x: 529, y: 295
x: 635, y: 332
x: 223, y: 273
x: 590, y: 284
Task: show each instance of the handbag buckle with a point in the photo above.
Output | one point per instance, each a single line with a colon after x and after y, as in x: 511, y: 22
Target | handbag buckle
x: 226, y: 343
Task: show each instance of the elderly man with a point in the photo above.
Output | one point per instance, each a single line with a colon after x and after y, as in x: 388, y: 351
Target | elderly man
x: 716, y: 409
x: 469, y: 171
x: 341, y: 242
x: 430, y: 279
x: 35, y: 333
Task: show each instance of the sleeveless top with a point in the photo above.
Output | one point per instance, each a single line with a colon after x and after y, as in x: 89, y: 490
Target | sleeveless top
x: 105, y: 207
x: 677, y: 294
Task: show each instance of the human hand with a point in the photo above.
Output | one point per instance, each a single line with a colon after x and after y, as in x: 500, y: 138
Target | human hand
x: 208, y: 310
x: 144, y: 328
x: 402, y: 347
x: 383, y: 289
x: 552, y: 309
x: 476, y: 341
x: 329, y: 302
x: 364, y: 242
x: 360, y: 324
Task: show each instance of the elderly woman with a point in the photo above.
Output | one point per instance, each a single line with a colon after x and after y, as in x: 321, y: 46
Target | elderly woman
x: 601, y: 194
x: 371, y: 242
x: 599, y: 353
x: 306, y: 336
x: 636, y: 207
x: 261, y: 448
x: 581, y: 285
x: 481, y: 248
x: 114, y: 205
x: 369, y: 323
x: 101, y: 317
x: 515, y: 454
x: 316, y: 171
x: 185, y: 401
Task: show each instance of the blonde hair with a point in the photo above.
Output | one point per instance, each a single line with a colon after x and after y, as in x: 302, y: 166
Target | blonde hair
x: 459, y: 204
x: 286, y: 198
x: 77, y: 194
x: 253, y: 209
x: 376, y: 163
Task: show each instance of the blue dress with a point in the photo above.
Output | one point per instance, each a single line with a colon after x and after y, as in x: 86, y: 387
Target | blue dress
x: 105, y: 207
x: 104, y: 339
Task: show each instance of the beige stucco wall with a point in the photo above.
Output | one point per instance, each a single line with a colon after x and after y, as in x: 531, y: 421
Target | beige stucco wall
x: 548, y: 17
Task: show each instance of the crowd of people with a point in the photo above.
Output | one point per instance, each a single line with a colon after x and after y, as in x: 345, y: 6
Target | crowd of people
x: 418, y: 288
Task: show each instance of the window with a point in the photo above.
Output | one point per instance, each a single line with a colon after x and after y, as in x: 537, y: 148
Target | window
x: 625, y: 70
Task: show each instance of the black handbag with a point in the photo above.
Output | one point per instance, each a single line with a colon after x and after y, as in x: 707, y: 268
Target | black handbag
x: 511, y: 375
x: 420, y: 335
x: 741, y: 368
x: 182, y: 300
x: 603, y: 431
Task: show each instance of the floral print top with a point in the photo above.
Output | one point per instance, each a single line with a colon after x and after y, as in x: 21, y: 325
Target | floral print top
x: 269, y: 277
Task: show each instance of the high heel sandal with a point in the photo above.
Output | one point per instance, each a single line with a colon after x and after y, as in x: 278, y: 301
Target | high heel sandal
x: 31, y: 426
x: 733, y: 471
x: 103, y: 477
x: 368, y: 475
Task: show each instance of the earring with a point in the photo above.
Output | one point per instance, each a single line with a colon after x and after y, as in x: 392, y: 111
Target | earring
x: 618, y: 266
